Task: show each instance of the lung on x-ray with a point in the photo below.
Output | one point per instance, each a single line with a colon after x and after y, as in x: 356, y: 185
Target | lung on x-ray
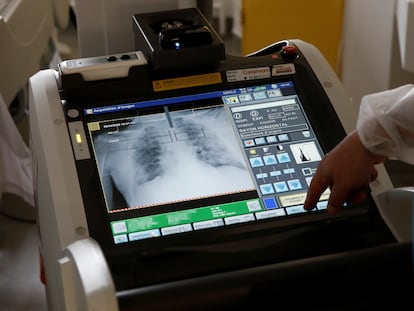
x: 169, y: 157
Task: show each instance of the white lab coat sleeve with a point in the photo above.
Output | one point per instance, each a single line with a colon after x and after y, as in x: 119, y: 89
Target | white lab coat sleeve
x: 386, y: 123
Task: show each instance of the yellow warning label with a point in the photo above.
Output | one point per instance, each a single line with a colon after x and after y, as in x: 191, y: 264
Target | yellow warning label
x: 184, y: 82
x: 299, y: 198
x: 292, y: 199
x: 325, y: 195
x: 94, y: 126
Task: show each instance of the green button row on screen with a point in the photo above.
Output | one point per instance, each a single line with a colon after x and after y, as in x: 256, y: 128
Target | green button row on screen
x: 186, y: 216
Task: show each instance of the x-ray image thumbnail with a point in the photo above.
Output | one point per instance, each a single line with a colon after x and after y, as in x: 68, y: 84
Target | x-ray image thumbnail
x: 305, y: 152
x: 169, y: 157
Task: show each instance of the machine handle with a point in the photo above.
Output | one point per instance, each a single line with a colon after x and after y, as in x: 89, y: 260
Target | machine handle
x: 86, y: 280
x: 396, y: 209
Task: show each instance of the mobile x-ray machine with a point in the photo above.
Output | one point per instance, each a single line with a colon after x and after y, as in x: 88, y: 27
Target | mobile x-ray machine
x: 173, y: 178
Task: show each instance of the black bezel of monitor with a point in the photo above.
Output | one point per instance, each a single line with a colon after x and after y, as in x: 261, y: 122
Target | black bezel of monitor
x: 316, y: 107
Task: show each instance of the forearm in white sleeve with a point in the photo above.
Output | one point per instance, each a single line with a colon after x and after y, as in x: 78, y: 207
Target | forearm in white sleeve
x: 386, y: 123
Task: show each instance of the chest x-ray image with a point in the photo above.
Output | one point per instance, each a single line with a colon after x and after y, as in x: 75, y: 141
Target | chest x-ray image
x: 169, y: 157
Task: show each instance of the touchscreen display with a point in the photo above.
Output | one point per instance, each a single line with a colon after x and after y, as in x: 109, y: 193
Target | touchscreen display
x: 195, y: 162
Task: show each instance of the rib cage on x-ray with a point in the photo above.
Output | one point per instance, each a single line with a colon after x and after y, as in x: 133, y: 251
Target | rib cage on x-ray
x: 170, y: 157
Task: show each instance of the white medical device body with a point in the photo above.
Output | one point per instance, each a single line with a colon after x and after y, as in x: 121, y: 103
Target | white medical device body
x: 89, y: 236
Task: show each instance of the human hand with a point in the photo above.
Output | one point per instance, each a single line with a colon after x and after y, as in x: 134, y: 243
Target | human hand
x: 347, y: 170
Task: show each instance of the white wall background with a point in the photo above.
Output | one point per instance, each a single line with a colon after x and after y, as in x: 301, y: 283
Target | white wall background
x: 371, y: 54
